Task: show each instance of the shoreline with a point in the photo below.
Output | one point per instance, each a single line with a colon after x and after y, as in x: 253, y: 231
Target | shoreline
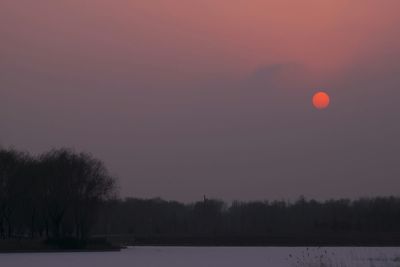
x: 58, y: 246
x: 58, y: 250
x: 119, y: 249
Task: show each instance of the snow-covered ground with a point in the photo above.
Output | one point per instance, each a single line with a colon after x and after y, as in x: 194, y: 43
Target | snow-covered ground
x: 210, y: 257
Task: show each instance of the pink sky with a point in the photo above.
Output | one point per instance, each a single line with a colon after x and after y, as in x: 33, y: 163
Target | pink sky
x: 208, y: 35
x: 182, y: 98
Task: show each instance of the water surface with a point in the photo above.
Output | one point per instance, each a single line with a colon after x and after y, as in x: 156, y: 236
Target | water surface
x: 210, y: 257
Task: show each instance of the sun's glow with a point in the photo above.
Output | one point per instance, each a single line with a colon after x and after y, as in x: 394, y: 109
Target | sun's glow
x: 321, y: 100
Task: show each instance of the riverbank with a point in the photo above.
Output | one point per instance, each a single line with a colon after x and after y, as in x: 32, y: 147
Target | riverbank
x: 304, y: 240
x: 46, y: 246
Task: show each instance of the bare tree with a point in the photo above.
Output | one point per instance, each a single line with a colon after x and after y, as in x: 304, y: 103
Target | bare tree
x: 73, y: 185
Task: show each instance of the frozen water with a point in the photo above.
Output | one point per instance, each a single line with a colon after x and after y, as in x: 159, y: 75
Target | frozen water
x: 210, y: 257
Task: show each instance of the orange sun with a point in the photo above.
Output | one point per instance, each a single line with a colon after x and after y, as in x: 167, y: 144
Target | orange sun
x: 321, y: 100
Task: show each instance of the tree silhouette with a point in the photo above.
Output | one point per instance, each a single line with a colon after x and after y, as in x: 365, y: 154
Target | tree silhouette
x: 56, y: 195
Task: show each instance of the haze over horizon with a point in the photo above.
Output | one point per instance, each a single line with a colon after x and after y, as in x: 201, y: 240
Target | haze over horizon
x: 186, y: 98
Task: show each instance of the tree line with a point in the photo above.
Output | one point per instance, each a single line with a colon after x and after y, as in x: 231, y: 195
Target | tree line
x: 63, y: 194
x: 54, y: 195
x: 366, y: 221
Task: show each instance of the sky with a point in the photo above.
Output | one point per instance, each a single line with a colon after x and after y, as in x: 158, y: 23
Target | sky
x: 185, y: 98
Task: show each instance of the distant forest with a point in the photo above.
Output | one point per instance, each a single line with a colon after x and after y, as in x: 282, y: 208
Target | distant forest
x: 63, y: 194
x: 368, y: 221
